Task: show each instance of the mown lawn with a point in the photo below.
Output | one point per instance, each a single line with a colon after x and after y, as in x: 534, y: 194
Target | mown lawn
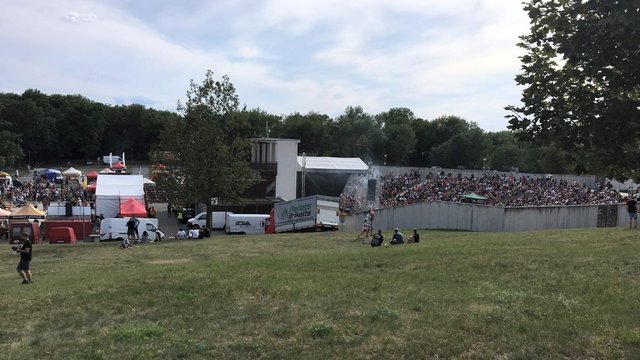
x: 555, y: 294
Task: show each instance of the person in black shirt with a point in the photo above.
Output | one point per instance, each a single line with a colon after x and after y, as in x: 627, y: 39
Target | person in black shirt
x: 26, y: 253
x: 415, y: 238
x: 633, y: 212
x: 131, y: 229
x: 378, y: 239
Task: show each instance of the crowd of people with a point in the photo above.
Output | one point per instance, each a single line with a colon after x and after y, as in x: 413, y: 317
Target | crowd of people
x: 497, y: 189
x: 500, y: 190
x: 45, y: 192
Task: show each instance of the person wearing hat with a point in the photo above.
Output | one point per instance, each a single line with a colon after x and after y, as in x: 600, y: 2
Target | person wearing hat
x: 397, y: 237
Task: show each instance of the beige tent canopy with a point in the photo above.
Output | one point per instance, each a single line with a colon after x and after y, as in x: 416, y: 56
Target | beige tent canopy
x: 72, y: 173
x: 28, y: 212
x: 4, y: 214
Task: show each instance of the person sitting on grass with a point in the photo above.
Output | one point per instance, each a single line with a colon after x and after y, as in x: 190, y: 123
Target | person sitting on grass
x: 377, y: 239
x: 415, y: 238
x: 126, y: 243
x: 181, y: 234
x: 397, y: 237
x: 144, y: 238
x: 159, y: 235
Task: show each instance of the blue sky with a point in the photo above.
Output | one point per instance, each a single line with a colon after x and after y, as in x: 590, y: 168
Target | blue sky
x: 456, y: 57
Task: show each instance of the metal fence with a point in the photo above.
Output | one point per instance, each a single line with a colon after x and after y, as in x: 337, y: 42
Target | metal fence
x: 473, y: 217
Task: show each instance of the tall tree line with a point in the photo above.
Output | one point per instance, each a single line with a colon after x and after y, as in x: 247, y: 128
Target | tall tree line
x: 48, y: 129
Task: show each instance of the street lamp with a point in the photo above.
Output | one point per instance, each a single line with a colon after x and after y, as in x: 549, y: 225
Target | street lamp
x: 385, y: 159
x: 304, y: 167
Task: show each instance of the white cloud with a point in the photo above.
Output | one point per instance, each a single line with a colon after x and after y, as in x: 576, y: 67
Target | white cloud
x: 74, y: 17
x: 456, y: 57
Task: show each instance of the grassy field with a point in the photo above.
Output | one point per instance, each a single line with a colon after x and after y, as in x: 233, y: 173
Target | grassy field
x: 555, y: 294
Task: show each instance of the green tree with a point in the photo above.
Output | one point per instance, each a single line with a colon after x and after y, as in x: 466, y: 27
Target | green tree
x: 399, y: 138
x: 211, y: 160
x: 313, y: 130
x: 581, y: 79
x: 466, y: 149
x: 10, y: 145
x: 353, y: 134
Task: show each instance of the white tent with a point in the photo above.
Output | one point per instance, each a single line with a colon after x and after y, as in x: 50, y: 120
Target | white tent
x: 332, y: 164
x: 112, y: 190
x: 72, y: 172
x: 148, y: 181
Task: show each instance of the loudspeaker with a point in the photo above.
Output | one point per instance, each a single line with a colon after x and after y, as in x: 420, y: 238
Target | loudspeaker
x: 371, y: 190
x: 68, y: 209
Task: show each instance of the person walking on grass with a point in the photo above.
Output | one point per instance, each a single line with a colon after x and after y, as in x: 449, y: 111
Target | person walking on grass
x: 633, y: 211
x: 26, y: 254
x: 365, y: 230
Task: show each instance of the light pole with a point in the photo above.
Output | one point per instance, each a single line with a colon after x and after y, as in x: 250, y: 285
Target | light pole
x: 29, y: 160
x: 385, y: 159
x: 304, y: 175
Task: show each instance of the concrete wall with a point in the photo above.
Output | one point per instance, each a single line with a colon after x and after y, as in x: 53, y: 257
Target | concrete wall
x: 472, y: 217
x: 550, y: 217
x: 287, y: 158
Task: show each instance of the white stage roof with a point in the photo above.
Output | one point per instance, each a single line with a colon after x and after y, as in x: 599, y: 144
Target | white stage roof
x: 333, y: 164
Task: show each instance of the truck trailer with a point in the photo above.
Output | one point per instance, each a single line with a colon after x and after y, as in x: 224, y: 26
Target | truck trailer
x: 311, y: 213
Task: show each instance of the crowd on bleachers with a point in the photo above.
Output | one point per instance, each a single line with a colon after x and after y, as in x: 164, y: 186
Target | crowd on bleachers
x: 498, y: 189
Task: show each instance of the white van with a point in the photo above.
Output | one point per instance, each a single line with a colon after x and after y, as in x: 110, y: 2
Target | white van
x: 249, y: 224
x: 116, y: 228
x: 218, y: 219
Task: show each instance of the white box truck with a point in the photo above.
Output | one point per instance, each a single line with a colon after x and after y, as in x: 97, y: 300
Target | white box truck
x: 316, y: 212
x: 218, y: 220
x: 249, y: 224
x: 116, y: 228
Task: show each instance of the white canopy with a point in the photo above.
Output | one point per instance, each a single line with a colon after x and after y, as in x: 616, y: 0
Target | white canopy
x: 111, y: 190
x: 332, y: 164
x: 148, y: 181
x: 72, y: 172
x: 106, y: 171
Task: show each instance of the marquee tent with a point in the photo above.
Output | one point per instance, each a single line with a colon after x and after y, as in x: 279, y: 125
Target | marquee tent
x: 72, y: 172
x: 118, y: 166
x: 28, y: 212
x: 132, y: 207
x: 332, y: 164
x: 91, y: 174
x: 473, y: 197
x: 148, y: 181
x: 111, y: 191
x: 53, y: 175
x: 4, y: 214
